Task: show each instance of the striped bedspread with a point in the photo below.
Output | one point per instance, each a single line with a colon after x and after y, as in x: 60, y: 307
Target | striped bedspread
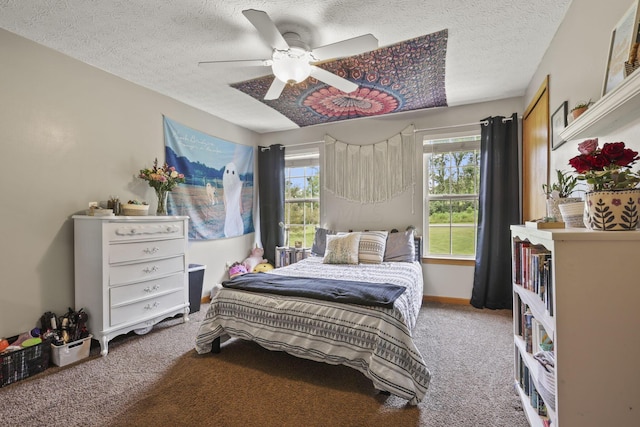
x: 374, y: 340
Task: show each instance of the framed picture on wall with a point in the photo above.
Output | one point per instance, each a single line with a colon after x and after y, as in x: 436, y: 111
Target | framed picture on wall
x: 558, y: 123
x: 623, y: 36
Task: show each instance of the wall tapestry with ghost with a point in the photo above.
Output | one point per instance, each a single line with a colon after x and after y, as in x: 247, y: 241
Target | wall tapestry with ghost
x: 218, y: 191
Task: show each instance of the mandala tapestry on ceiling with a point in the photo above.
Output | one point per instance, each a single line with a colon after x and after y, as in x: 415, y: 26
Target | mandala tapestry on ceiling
x: 402, y: 77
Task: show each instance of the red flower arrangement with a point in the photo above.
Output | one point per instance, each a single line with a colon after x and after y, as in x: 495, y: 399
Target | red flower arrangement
x: 606, y: 168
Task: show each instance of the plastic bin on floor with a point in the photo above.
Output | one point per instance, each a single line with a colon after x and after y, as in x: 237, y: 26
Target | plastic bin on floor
x: 196, y: 278
x: 63, y: 355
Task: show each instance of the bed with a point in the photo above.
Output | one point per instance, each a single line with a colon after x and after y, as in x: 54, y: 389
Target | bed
x: 374, y: 340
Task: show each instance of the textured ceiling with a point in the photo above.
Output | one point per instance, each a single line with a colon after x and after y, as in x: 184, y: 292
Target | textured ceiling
x: 494, y: 46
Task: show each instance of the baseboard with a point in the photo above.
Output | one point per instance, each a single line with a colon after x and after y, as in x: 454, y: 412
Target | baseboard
x: 445, y: 300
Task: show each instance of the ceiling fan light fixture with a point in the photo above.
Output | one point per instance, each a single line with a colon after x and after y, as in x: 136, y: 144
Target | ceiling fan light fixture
x: 291, y: 66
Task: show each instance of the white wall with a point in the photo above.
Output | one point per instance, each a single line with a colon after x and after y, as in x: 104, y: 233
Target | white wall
x: 406, y: 209
x: 73, y: 134
x: 576, y: 62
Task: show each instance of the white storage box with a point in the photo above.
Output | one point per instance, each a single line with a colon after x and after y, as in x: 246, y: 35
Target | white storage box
x: 63, y: 355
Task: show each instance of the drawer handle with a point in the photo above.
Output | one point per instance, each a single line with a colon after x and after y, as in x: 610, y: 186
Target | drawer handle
x: 152, y: 306
x: 151, y: 270
x: 152, y: 289
x: 151, y: 251
x: 147, y: 230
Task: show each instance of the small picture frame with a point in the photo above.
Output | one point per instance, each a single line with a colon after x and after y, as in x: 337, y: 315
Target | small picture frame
x: 623, y: 36
x: 558, y: 123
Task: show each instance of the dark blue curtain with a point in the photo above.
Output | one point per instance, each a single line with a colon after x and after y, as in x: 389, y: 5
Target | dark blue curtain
x: 499, y: 207
x: 271, y: 192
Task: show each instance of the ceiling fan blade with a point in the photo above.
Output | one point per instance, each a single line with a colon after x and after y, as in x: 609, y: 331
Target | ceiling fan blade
x: 333, y: 80
x: 267, y: 29
x: 347, y: 47
x: 236, y: 63
x: 275, y: 89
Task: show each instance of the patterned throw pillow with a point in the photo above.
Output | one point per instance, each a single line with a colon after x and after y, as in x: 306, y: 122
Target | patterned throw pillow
x: 372, y: 245
x: 400, y: 247
x: 342, y: 249
x: 320, y: 241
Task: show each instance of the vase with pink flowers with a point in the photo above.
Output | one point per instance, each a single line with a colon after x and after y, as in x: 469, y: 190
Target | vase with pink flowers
x: 611, y: 204
x: 163, y: 178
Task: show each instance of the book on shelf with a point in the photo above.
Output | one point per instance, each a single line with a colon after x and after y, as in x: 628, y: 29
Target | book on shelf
x: 527, y: 335
x: 549, y: 288
x: 518, y: 314
x: 527, y: 383
x: 536, y: 255
x: 532, y: 270
x: 543, y: 225
x: 517, y: 252
x: 521, y: 308
x: 535, y: 335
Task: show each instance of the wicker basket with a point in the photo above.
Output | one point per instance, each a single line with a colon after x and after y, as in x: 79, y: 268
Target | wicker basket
x: 135, y: 210
x: 20, y: 364
x: 573, y: 214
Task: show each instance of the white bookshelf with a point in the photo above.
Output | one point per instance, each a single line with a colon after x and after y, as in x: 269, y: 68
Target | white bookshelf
x: 595, y: 326
x: 286, y: 255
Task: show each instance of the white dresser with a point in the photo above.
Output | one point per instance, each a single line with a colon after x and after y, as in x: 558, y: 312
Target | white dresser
x: 131, y: 272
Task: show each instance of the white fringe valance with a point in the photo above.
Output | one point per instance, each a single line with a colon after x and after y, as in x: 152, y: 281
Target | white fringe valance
x: 370, y: 173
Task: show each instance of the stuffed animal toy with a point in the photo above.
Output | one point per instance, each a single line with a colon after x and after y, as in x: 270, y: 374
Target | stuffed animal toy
x: 237, y: 269
x: 262, y: 267
x: 254, y: 259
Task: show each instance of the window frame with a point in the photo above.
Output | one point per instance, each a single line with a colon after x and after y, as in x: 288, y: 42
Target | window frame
x: 302, y: 160
x: 465, y: 145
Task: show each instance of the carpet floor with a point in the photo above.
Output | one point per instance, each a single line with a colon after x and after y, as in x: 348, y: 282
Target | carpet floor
x: 159, y: 380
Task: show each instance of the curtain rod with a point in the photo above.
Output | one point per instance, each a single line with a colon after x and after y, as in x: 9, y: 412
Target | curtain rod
x: 452, y: 126
x: 481, y: 123
x: 304, y: 143
x: 269, y: 148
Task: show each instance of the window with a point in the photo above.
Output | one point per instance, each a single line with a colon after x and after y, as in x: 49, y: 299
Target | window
x: 451, y: 174
x: 302, y: 198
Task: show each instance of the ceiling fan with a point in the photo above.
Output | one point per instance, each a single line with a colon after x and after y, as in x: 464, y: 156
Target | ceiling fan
x: 292, y: 61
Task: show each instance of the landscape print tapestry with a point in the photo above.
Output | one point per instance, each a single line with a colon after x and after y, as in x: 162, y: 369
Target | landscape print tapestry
x: 218, y: 191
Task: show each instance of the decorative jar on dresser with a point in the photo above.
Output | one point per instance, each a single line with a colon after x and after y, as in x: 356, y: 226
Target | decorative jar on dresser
x: 131, y: 272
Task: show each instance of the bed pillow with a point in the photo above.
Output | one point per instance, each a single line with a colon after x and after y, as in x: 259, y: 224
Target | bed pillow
x: 372, y: 246
x: 320, y: 241
x: 400, y: 247
x: 342, y: 249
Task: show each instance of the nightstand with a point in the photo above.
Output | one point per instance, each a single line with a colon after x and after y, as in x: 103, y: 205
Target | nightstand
x: 289, y: 255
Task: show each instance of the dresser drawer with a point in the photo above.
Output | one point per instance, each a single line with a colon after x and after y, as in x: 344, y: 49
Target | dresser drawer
x: 144, y: 250
x: 135, y: 292
x: 142, y: 271
x: 146, y: 308
x: 128, y: 231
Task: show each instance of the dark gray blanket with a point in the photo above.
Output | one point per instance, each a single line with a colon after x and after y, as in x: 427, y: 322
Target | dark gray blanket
x: 344, y: 291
